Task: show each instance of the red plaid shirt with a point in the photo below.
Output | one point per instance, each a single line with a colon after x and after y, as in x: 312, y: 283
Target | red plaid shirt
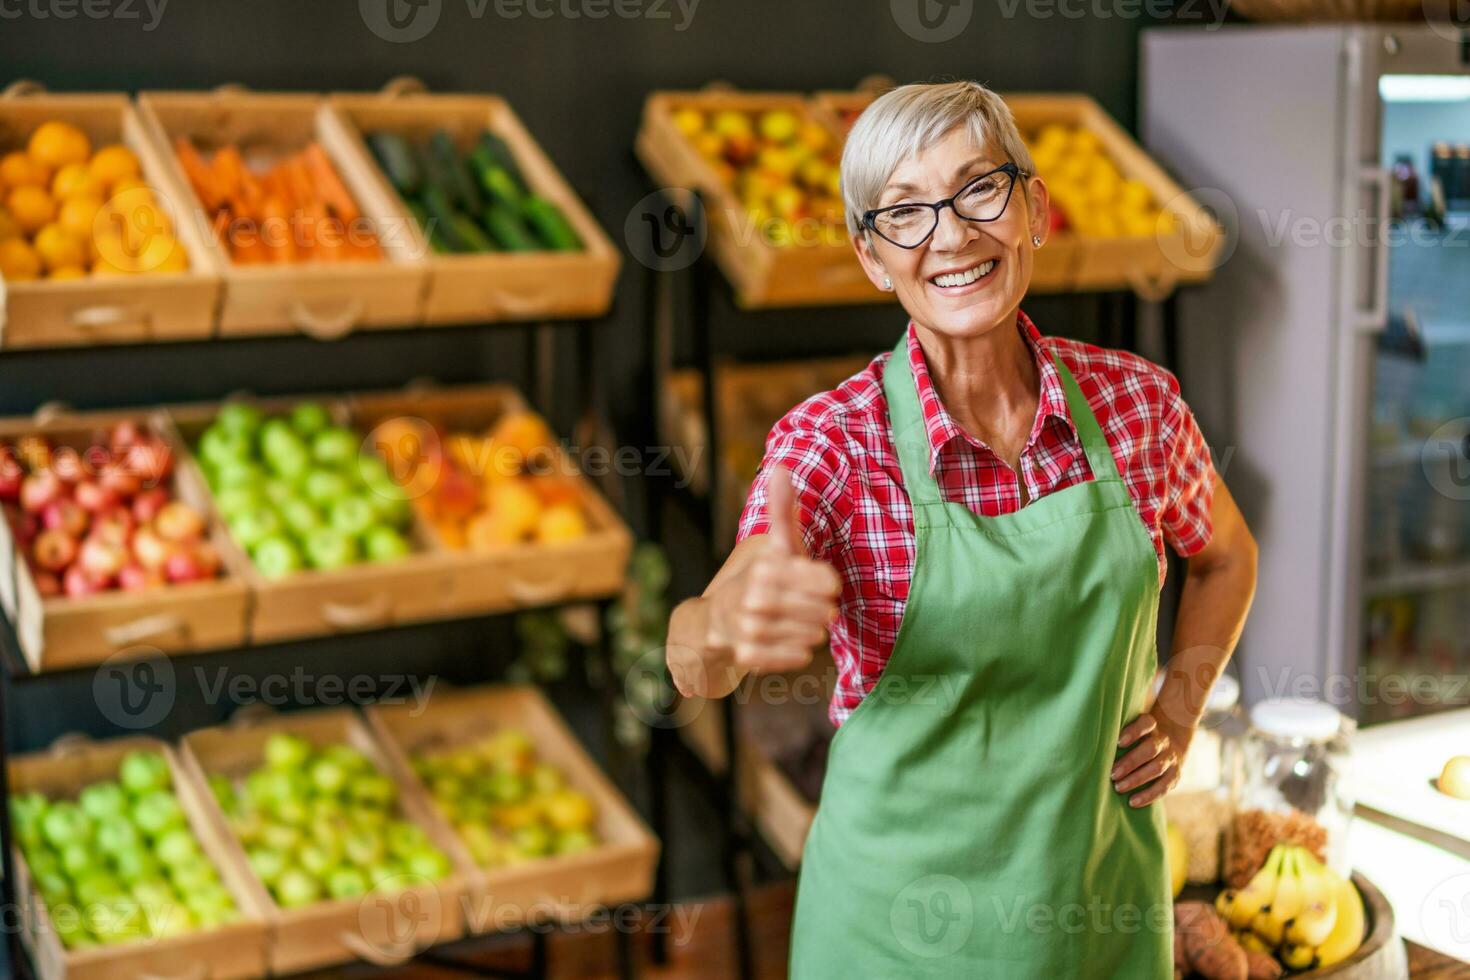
x: 856, y: 514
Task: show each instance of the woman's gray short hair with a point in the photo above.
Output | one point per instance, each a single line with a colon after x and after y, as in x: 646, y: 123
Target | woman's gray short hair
x: 902, y: 122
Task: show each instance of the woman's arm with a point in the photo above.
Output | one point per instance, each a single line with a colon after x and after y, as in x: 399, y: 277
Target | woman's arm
x: 765, y: 610
x: 1218, y: 588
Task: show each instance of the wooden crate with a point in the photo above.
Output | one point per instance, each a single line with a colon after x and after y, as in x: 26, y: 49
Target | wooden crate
x: 421, y: 586
x: 1150, y: 266
x: 234, y: 950
x: 58, y: 632
x: 323, y: 300
x: 567, y: 887
x: 763, y: 275
x: 481, y: 288
x: 333, y: 930
x: 161, y: 306
x: 520, y: 575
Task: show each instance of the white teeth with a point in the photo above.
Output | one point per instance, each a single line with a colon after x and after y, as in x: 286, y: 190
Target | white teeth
x: 966, y: 277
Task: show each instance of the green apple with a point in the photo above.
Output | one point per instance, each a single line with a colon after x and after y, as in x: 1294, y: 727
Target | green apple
x: 177, y: 847
x: 324, y: 486
x: 281, y: 837
x: 373, y: 789
x: 309, y: 418
x: 72, y: 930
x: 142, y: 772
x: 241, y: 418
x: 480, y: 842
x: 52, y: 884
x: 156, y: 812
x: 316, y: 860
x: 267, y: 864
x: 65, y: 823
x: 362, y: 847
x: 546, y: 778
x: 346, y: 883
x: 285, y: 752
x: 26, y: 812
x: 352, y: 515
x: 153, y: 893
x: 276, y: 436
x: 295, y: 888
x: 211, y: 903
x: 224, y: 793
x: 43, y: 860
x: 505, y: 787
x: 238, y: 473
x: 236, y: 500
x: 327, y: 777
x: 102, y: 799
x: 252, y: 527
x: 573, y: 842
x: 300, y: 516
x: 404, y: 839
x: 76, y: 858
x: 430, y: 863
x: 135, y: 865
x: 348, y: 758
x: 96, y: 886
x: 382, y: 543
x: 533, y: 840
x: 335, y: 446
x: 219, y: 445
x: 290, y: 463
x: 193, y: 875
x: 117, y: 920
x: 276, y: 556
x: 116, y: 834
x: 292, y: 811
x: 328, y: 548
x: 173, y: 919
x: 447, y: 787
x: 276, y: 490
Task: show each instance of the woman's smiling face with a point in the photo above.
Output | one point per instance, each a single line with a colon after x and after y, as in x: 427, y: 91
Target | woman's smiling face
x: 958, y: 249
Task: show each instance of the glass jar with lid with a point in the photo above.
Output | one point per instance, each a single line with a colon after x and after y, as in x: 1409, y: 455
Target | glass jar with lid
x: 1200, y: 804
x: 1293, y: 786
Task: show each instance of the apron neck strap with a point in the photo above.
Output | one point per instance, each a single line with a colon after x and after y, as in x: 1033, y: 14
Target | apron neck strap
x: 911, y: 438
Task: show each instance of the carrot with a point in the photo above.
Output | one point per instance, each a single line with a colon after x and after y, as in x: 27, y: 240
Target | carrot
x: 297, y: 177
x: 277, y: 232
x: 229, y: 168
x: 201, y: 177
x: 328, y: 185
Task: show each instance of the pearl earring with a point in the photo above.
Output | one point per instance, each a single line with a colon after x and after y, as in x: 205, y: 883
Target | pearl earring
x: 887, y: 283
x: 1036, y: 240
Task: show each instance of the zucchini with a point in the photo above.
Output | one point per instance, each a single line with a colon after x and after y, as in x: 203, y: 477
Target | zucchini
x: 472, y: 234
x: 497, y: 181
x: 398, y: 161
x: 550, y: 224
x: 438, y: 209
x: 431, y: 231
x: 506, y: 227
x: 501, y: 154
x: 450, y: 169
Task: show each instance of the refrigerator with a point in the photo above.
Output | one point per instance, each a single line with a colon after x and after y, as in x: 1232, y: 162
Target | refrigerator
x: 1328, y: 360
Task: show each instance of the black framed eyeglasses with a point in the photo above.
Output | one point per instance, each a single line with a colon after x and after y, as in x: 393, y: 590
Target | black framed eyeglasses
x: 909, y: 225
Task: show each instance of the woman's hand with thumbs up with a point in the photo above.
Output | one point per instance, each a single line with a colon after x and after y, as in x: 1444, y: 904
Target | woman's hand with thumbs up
x: 766, y: 610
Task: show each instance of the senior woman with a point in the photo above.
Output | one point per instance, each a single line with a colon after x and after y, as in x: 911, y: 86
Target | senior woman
x: 978, y: 520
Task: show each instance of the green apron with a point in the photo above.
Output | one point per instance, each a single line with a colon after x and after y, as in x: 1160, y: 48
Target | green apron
x: 968, y: 826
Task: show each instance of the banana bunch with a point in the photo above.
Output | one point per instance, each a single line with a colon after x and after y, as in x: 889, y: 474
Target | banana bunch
x: 1297, y: 909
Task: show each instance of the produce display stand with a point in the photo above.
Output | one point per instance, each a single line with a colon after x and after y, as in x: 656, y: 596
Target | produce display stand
x: 58, y: 632
x: 619, y: 869
x: 493, y: 286
x: 118, y: 309
x: 335, y: 930
x: 233, y: 951
x: 324, y: 300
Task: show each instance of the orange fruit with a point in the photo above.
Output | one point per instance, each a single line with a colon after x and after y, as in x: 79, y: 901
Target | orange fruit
x: 58, y: 247
x: 77, y: 215
x: 31, y: 207
x: 161, y: 253
x: 18, y: 261
x: 18, y: 169
x: 114, y: 163
x: 130, y: 184
x: 514, y: 506
x: 58, y: 143
x: 108, y: 248
x: 8, y: 227
x: 138, y: 215
x: 67, y: 272
x: 75, y: 180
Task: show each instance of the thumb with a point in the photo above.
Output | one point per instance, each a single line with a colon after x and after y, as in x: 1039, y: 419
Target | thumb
x: 785, y: 529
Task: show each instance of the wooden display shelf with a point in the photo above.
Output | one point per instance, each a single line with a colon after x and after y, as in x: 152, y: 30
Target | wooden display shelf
x: 383, y: 931
x: 480, y: 288
x: 117, y: 309
x: 232, y: 951
x: 324, y: 300
x: 1152, y: 266
x: 59, y: 632
x: 563, y: 887
x: 513, y: 576
x: 763, y: 275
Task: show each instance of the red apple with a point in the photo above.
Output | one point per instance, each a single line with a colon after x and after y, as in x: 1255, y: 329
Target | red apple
x: 11, y: 475
x: 150, y: 461
x: 184, y: 566
x: 151, y: 550
x: 177, y: 521
x: 114, y: 525
x: 120, y: 480
x: 135, y: 578
x: 39, y: 489
x: 26, y: 527
x: 124, y: 434
x: 67, y: 463
x: 77, y: 583
x: 96, y: 456
x: 208, y: 558
x: 94, y: 496
x: 148, y: 503
x: 63, y: 514
x: 101, y: 559
x: 46, y: 582
x: 54, y: 549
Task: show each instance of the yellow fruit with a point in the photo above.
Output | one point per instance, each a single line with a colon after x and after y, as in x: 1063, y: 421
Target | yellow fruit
x: 562, y: 522
x: 1178, y: 857
x: 8, y: 227
x: 161, y: 253
x: 1455, y: 779
x: 779, y: 125
x: 31, y: 207
x: 514, y: 506
x: 729, y: 122
x: 777, y: 161
x: 131, y: 184
x: 568, y: 810
x: 77, y: 215
x: 814, y: 174
x: 59, y: 248
x: 524, y: 438
x: 57, y: 143
x: 815, y: 137
x: 75, y: 180
x: 688, y: 121
x: 709, y: 145
x: 114, y: 163
x: 67, y: 272
x: 19, y: 169
x: 18, y: 261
